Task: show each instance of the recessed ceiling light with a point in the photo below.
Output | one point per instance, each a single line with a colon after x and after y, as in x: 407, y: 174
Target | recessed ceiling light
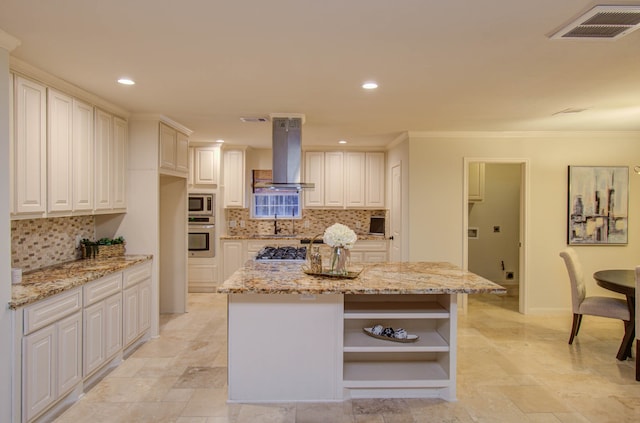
x: 220, y: 141
x: 370, y: 85
x: 342, y: 142
x: 126, y: 81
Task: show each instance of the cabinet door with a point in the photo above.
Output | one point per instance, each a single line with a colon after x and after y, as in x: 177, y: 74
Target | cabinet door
x: 476, y: 181
x: 232, y: 258
x: 69, y: 332
x: 144, y: 306
x: 82, y: 157
x: 103, y: 159
x: 130, y: 315
x: 39, y: 354
x: 354, y: 179
x: 113, y: 325
x: 314, y: 173
x: 119, y: 165
x: 182, y: 153
x: 59, y: 151
x: 206, y: 165
x: 374, y: 180
x: 94, y: 337
x: 168, y: 138
x: 333, y: 179
x: 233, y: 178
x: 29, y: 161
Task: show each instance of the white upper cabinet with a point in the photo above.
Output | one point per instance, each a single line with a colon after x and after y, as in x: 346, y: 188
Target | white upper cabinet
x: 354, y: 182
x: 29, y: 147
x: 182, y: 153
x: 82, y: 157
x: 174, y: 151
x: 314, y: 173
x: 233, y: 170
x: 110, y: 163
x: 59, y: 152
x: 374, y: 180
x: 206, y: 165
x: 103, y: 159
x: 119, y: 164
x: 476, y: 182
x: 349, y: 179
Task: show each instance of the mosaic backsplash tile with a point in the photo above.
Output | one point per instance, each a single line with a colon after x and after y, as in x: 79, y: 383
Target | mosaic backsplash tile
x: 37, y: 243
x: 313, y: 222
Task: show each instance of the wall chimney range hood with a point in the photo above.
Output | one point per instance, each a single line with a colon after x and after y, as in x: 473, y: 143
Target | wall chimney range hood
x: 287, y: 153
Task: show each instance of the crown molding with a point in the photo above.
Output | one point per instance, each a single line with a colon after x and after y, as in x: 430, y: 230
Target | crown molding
x: 25, y: 69
x: 519, y: 134
x: 164, y: 119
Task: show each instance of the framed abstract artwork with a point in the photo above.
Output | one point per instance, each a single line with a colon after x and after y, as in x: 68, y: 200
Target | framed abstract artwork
x: 598, y: 205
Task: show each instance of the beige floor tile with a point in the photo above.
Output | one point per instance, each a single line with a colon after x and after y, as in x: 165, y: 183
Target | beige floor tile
x: 511, y: 368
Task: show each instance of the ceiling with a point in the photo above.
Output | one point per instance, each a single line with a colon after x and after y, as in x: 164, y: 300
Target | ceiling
x: 455, y: 65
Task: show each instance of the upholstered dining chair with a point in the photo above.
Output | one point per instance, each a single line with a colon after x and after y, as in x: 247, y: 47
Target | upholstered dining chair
x: 614, y: 308
x: 637, y: 323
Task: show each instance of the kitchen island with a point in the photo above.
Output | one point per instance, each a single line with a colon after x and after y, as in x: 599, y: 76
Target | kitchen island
x: 299, y: 337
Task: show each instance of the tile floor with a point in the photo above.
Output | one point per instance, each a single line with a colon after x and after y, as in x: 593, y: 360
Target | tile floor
x: 511, y: 368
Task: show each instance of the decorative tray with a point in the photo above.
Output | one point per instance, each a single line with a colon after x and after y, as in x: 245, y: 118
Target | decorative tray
x: 409, y: 338
x: 326, y: 273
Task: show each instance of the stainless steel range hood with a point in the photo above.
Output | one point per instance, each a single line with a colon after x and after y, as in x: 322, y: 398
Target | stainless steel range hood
x: 287, y: 153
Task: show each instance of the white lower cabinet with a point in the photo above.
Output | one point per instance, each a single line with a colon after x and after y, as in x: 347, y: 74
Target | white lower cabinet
x: 232, y: 257
x: 203, y: 275
x: 70, y: 339
x: 369, y: 251
x: 51, y: 351
x: 137, y: 303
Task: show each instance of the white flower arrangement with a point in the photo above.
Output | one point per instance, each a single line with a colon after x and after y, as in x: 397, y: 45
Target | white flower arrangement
x: 339, y: 235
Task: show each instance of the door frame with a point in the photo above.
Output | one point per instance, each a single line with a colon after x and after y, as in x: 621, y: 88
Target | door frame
x: 524, y: 222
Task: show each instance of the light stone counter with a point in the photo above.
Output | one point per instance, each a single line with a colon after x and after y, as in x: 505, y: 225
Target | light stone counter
x: 376, y: 278
x: 52, y: 280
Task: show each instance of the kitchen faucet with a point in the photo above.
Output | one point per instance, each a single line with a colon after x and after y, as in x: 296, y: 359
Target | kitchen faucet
x: 276, y: 230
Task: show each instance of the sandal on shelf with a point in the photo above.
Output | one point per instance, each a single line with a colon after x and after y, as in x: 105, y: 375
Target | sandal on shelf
x: 389, y: 334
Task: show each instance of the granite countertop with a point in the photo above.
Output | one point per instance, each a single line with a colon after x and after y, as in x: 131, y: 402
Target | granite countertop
x: 361, y: 237
x: 375, y: 278
x: 48, y: 281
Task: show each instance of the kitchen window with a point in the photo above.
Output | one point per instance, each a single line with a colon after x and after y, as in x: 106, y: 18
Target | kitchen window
x: 268, y: 204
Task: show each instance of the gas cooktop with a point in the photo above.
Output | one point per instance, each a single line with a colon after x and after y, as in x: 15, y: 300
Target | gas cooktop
x: 282, y: 253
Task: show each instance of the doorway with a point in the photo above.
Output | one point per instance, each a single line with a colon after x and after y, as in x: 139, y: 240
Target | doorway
x: 495, y: 221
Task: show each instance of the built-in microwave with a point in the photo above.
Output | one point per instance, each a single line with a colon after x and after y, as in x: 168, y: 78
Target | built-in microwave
x: 202, y: 204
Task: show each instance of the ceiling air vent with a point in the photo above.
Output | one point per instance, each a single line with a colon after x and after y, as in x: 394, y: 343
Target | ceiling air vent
x: 254, y: 119
x: 602, y: 23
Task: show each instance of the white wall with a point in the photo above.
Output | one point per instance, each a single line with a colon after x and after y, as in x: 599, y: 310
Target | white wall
x: 500, y: 207
x: 436, y: 202
x: 6, y: 326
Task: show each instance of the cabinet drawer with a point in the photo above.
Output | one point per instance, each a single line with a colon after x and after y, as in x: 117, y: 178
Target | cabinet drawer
x: 137, y: 274
x: 102, y: 288
x: 370, y: 246
x: 45, y: 312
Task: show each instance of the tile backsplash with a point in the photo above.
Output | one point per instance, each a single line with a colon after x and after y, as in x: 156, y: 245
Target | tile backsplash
x: 38, y: 243
x: 312, y: 222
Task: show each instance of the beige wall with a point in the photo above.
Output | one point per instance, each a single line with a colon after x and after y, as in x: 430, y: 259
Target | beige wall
x: 436, y: 202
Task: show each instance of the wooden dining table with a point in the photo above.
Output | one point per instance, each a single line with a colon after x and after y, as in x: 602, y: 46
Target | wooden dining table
x: 622, y: 281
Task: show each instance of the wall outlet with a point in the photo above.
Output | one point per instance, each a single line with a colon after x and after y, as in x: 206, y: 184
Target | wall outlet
x: 232, y: 223
x: 306, y: 224
x: 78, y: 240
x: 357, y: 225
x: 242, y: 223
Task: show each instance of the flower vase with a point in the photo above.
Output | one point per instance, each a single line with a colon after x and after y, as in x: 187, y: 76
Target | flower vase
x: 339, y: 256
